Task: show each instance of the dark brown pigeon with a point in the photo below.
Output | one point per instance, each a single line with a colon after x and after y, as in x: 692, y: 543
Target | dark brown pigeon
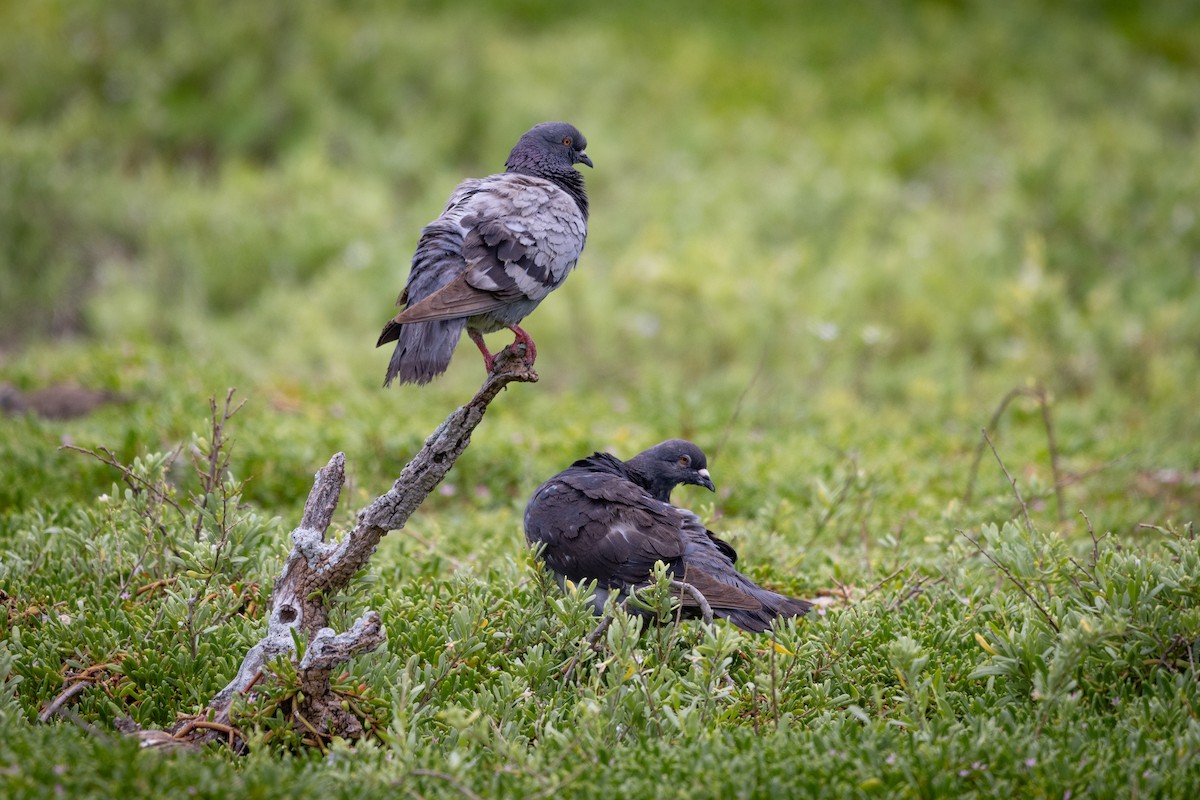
x: 609, y: 520
x: 501, y: 245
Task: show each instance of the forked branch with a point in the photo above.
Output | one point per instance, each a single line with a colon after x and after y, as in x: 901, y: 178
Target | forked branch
x: 316, y: 571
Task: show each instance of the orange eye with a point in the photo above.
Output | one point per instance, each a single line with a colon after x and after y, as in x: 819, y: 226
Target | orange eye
x: 567, y: 141
x: 684, y: 461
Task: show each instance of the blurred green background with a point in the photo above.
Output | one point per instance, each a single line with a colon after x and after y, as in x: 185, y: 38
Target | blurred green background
x: 818, y: 229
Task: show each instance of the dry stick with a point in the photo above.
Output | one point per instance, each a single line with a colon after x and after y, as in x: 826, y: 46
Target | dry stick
x: 316, y: 571
x: 1013, y: 578
x: 159, y: 584
x: 1013, y: 483
x: 1084, y: 570
x: 706, y: 612
x: 156, y: 490
x: 74, y: 685
x: 1095, y: 541
x: 1039, y: 394
x: 218, y: 456
x: 880, y: 584
x: 211, y: 472
x: 1051, y: 443
x: 1008, y: 398
x: 105, y: 456
x: 85, y: 725
x: 590, y: 640
x: 908, y: 591
x: 64, y: 697
x: 193, y: 724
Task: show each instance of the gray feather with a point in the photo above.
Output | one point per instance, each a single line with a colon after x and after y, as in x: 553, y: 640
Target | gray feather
x: 423, y: 350
x: 500, y: 246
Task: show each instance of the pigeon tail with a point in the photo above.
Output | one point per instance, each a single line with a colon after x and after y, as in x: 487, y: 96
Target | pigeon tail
x: 774, y: 606
x: 423, y: 349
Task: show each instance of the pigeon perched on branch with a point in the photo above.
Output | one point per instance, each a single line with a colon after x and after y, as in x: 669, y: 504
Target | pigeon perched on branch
x: 609, y: 520
x: 500, y: 246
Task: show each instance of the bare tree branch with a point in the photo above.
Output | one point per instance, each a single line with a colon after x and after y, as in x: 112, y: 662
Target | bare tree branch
x: 316, y: 570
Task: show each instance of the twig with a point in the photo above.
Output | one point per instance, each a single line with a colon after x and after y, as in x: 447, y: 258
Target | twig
x: 75, y: 684
x: 150, y: 587
x: 590, y: 640
x: 705, y: 609
x: 1013, y: 483
x: 212, y: 469
x: 1008, y: 398
x: 253, y: 680
x: 1095, y: 541
x: 1042, y: 397
x: 822, y: 667
x: 1084, y: 570
x: 1014, y: 579
x: 880, y: 584
x: 128, y: 474
x: 1044, y: 402
x: 56, y: 705
x: 193, y: 724
x: 318, y: 738
x: 85, y: 725
x: 908, y: 591
x: 1165, y: 531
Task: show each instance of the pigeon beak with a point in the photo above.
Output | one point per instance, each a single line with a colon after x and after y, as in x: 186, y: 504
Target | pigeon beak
x: 705, y: 480
x: 582, y: 158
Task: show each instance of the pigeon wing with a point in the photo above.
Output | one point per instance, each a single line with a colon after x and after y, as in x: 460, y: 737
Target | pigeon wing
x: 521, y: 236
x: 600, y: 526
x: 706, y: 564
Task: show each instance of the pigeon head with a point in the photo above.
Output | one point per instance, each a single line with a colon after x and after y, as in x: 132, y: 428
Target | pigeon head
x: 551, y: 147
x: 664, y: 466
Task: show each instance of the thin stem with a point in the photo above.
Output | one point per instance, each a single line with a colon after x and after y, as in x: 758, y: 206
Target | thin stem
x: 1014, y: 579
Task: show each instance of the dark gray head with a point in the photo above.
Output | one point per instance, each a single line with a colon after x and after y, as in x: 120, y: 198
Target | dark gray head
x: 664, y: 466
x: 548, y: 147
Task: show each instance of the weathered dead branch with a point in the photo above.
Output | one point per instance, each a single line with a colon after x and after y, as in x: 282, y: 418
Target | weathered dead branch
x: 316, y: 571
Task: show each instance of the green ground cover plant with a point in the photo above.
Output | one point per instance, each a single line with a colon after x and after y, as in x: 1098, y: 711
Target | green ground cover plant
x: 831, y: 243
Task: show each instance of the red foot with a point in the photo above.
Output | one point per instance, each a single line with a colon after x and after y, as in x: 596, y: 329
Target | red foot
x: 489, y: 360
x: 525, y: 339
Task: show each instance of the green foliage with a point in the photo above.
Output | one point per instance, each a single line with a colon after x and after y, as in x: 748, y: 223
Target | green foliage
x: 826, y: 241
x: 955, y: 688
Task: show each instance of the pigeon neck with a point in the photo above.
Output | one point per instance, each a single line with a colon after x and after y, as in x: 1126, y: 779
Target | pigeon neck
x: 658, y: 486
x: 568, y: 179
